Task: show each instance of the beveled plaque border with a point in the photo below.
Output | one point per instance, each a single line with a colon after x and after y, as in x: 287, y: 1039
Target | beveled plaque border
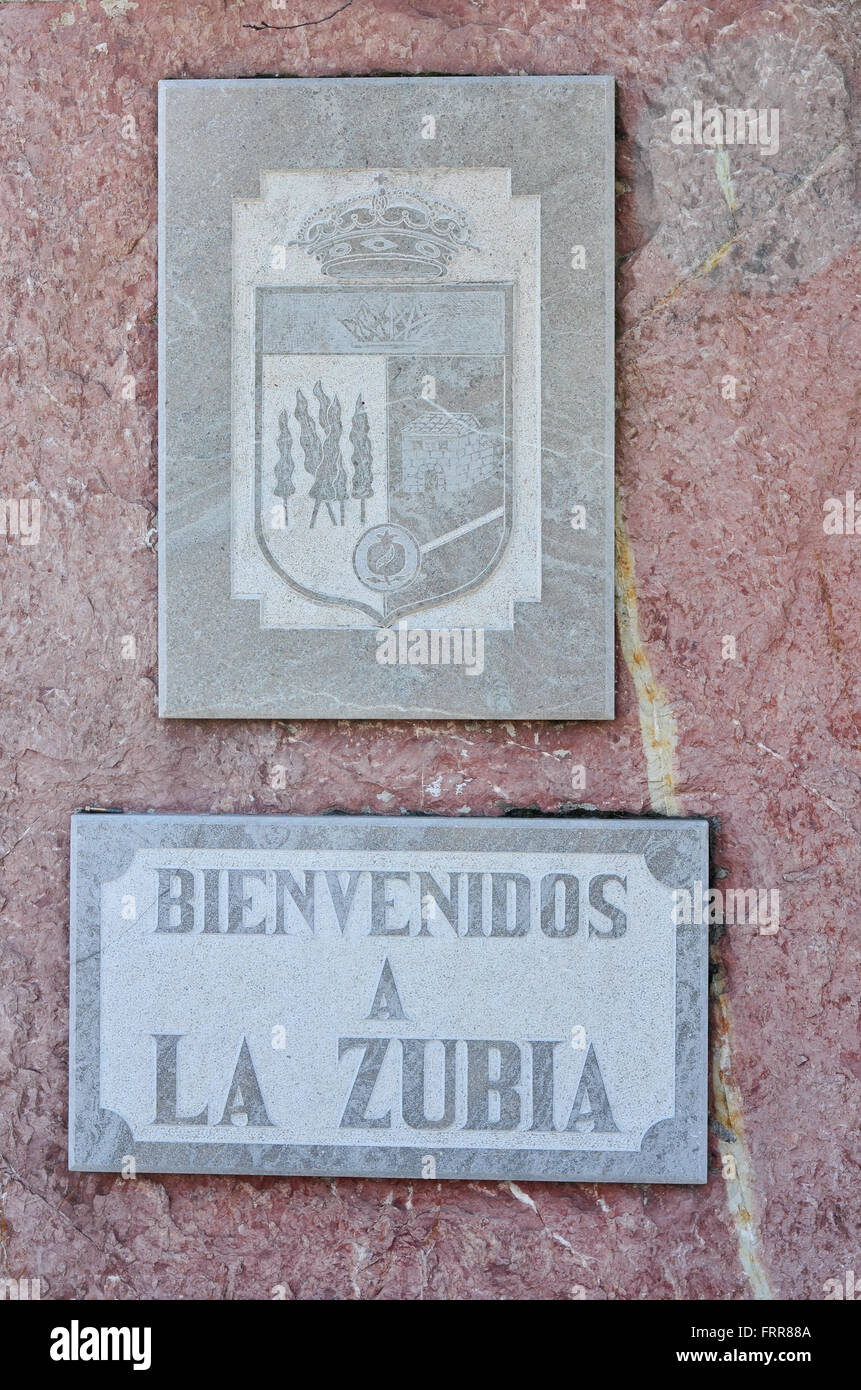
x: 676, y: 851
x: 215, y: 137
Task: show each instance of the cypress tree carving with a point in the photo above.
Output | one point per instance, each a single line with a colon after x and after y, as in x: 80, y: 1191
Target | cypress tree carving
x: 360, y: 438
x: 323, y: 403
x: 284, y: 467
x: 308, y: 437
x: 326, y: 481
x: 332, y: 444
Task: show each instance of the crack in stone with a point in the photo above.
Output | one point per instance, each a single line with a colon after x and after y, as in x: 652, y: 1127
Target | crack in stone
x: 658, y: 728
x: 660, y: 740
x: 714, y: 259
x: 304, y: 24
x: 527, y: 1201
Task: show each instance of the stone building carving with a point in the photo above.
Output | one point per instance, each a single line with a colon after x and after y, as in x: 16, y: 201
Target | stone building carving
x: 443, y: 452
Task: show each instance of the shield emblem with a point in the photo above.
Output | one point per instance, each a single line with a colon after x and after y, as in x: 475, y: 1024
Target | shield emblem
x: 383, y: 467
x: 383, y: 477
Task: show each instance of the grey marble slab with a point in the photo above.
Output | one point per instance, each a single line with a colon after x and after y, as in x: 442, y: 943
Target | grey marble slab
x: 408, y: 997
x: 386, y: 397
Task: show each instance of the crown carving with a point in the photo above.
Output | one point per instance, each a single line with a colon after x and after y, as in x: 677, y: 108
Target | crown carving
x: 388, y: 233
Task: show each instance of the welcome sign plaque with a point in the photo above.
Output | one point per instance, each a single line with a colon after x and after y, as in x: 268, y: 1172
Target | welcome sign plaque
x: 391, y: 997
x: 386, y: 397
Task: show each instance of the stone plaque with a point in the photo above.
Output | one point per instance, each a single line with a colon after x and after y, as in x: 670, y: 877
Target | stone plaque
x: 393, y: 997
x: 386, y: 397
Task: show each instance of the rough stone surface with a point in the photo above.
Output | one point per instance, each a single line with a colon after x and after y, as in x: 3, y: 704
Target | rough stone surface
x: 720, y: 533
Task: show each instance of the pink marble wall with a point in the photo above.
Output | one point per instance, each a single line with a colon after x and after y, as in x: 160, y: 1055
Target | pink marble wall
x: 747, y: 270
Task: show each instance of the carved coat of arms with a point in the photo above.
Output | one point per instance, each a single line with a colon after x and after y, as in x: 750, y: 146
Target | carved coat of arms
x: 385, y: 416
